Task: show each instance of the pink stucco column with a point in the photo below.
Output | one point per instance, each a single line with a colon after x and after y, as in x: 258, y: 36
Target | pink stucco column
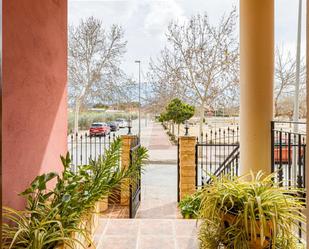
x: 34, y: 92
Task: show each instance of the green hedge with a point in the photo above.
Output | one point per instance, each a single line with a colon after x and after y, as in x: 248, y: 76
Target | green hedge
x: 87, y: 118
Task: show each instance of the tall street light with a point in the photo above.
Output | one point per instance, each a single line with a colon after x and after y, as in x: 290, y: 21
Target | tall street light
x: 298, y: 54
x: 139, y: 98
x: 296, y: 94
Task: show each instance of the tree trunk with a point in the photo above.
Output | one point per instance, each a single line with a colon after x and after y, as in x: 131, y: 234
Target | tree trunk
x: 76, y: 116
x: 276, y: 109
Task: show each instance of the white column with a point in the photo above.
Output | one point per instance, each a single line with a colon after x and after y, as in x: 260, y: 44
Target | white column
x: 256, y: 84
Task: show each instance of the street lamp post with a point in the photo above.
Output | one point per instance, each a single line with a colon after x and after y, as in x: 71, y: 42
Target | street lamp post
x: 296, y: 94
x: 139, y: 97
x: 129, y: 126
x: 187, y: 128
x: 298, y: 54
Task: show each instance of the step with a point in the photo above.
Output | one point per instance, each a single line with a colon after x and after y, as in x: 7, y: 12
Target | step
x: 146, y: 234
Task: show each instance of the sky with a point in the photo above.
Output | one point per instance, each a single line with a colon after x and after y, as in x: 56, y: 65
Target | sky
x: 145, y: 22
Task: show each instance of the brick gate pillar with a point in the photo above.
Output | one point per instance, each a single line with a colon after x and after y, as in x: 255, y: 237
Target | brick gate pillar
x: 187, y: 167
x: 127, y: 141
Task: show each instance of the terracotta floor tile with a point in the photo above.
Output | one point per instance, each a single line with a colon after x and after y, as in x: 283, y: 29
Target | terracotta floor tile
x: 117, y: 243
x: 122, y: 227
x: 156, y: 227
x: 185, y: 227
x: 186, y: 243
x: 154, y: 242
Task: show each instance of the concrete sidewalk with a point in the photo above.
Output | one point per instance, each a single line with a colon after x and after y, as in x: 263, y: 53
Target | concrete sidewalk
x: 161, y: 151
x: 159, y: 193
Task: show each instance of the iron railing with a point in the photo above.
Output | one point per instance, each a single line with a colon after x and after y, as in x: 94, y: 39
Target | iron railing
x: 288, y: 157
x: 135, y: 185
x: 83, y: 147
x: 217, y: 153
x: 288, y: 153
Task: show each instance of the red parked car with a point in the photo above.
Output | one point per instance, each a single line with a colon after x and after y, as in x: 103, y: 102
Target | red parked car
x: 99, y: 129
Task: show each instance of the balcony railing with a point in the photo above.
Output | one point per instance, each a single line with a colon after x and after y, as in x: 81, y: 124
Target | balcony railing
x: 288, y: 157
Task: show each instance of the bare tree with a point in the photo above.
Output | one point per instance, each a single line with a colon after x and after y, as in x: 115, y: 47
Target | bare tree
x: 201, y: 62
x: 285, y: 77
x: 94, y: 56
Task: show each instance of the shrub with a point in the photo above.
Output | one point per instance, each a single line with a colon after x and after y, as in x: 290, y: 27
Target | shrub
x: 241, y: 213
x: 53, y: 215
x: 190, y: 206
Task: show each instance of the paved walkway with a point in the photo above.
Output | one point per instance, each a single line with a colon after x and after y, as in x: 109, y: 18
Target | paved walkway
x: 160, y: 148
x: 157, y: 224
x: 159, y: 193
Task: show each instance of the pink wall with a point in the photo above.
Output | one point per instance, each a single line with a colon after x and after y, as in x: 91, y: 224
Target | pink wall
x: 34, y: 92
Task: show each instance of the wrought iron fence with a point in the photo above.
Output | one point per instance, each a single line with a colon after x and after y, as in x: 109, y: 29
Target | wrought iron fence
x: 288, y: 158
x: 135, y: 185
x: 217, y: 153
x: 83, y: 147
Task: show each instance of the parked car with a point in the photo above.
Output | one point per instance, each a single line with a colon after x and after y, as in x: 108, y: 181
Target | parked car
x: 113, y: 126
x: 122, y: 123
x: 99, y: 129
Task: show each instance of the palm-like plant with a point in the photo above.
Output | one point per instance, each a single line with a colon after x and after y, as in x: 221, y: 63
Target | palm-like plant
x: 26, y: 231
x: 55, y: 214
x: 249, y: 214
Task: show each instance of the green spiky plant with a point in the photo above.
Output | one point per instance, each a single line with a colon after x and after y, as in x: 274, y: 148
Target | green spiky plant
x: 190, y: 205
x: 30, y: 232
x: 257, y: 213
x: 53, y: 215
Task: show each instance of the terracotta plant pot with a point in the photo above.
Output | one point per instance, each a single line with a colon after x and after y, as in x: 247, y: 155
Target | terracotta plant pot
x: 187, y: 216
x: 103, y: 205
x: 229, y: 219
x: 78, y: 236
x: 92, y: 219
x: 90, y: 223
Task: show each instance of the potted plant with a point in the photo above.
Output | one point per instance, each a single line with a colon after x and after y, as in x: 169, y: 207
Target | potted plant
x: 189, y: 206
x: 239, y: 213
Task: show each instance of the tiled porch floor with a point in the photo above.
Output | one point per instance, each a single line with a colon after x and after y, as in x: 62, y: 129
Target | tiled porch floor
x: 146, y: 234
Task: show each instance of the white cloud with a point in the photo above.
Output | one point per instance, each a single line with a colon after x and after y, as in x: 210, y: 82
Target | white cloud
x: 145, y: 21
x: 160, y: 15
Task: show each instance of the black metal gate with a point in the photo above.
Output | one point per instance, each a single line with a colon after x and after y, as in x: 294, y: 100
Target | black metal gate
x: 217, y: 154
x: 135, y: 185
